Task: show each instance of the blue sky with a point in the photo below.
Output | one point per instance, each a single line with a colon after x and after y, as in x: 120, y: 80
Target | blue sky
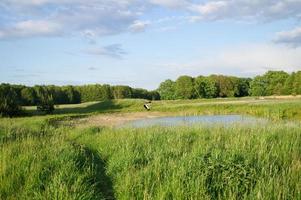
x: 141, y: 43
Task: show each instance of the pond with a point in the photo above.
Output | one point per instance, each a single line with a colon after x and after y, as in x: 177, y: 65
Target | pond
x: 192, y: 120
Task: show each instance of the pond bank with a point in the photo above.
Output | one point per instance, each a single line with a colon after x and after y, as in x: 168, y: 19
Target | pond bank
x: 115, y: 119
x: 141, y: 119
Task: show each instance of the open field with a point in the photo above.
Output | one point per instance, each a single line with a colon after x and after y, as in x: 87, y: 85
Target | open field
x: 150, y: 100
x: 77, y: 153
x: 273, y: 107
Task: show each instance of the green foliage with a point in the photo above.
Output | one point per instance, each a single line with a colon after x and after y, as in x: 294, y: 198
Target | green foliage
x: 205, y: 87
x: 242, y: 87
x: 184, y: 87
x: 276, y: 81
x: 293, y: 84
x: 271, y: 83
x: 45, y: 102
x: 94, y: 92
x: 154, y: 95
x: 167, y: 90
x: 297, y: 83
x: 9, y: 101
x: 122, y: 92
x: 106, y: 92
x: 72, y: 95
x: 226, y: 85
x: 258, y: 87
x: 28, y: 96
x: 139, y: 93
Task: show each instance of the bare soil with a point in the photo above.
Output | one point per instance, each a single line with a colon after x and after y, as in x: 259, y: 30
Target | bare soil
x: 115, y: 119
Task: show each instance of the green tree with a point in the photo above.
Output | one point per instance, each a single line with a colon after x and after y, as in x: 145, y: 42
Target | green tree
x: 9, y: 102
x: 271, y: 83
x: 296, y: 87
x: 226, y: 85
x: 45, y: 99
x: 153, y: 95
x: 167, y: 90
x: 106, y: 92
x: 140, y: 93
x: 276, y: 81
x: 289, y: 85
x: 71, y: 95
x: 185, y: 87
x: 205, y: 87
x: 95, y: 92
x: 122, y: 92
x: 242, y: 86
x: 28, y: 96
x: 258, y: 86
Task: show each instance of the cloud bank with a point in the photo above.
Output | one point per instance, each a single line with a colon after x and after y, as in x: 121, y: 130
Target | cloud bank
x: 291, y: 37
x: 44, y: 18
x: 96, y: 18
x: 241, y: 60
x: 266, y: 10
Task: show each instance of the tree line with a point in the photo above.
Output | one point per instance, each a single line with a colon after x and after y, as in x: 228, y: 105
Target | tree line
x: 12, y: 97
x: 213, y: 86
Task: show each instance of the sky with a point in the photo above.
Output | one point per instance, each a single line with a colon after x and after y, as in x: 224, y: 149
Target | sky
x: 142, y: 43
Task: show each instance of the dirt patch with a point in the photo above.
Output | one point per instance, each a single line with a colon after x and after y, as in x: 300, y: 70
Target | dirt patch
x: 114, y: 119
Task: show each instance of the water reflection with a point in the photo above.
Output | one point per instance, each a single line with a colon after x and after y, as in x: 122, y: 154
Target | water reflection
x: 191, y: 120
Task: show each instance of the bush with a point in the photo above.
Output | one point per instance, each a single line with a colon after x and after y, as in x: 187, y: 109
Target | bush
x: 9, y: 104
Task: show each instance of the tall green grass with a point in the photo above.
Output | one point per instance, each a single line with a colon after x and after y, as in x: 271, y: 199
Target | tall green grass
x: 201, y: 162
x: 42, y: 158
x: 234, y: 162
x: 47, y: 166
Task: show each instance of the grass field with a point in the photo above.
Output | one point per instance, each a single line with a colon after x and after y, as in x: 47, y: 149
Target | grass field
x: 270, y: 107
x: 42, y: 158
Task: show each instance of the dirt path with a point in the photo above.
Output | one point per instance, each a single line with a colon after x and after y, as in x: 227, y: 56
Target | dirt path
x: 115, y: 119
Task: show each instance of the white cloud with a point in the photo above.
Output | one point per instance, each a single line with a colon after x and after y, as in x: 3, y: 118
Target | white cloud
x: 261, y: 10
x: 242, y: 60
x: 27, y: 18
x: 37, y: 3
x: 257, y: 58
x: 139, y: 26
x: 32, y: 28
x: 114, y: 51
x: 94, y: 18
x: 210, y: 7
x: 292, y: 37
x: 170, y: 3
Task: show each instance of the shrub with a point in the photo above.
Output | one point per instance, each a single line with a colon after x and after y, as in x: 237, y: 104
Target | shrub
x: 9, y: 104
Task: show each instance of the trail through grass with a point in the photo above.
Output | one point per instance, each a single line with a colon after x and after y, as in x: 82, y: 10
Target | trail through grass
x: 201, y: 163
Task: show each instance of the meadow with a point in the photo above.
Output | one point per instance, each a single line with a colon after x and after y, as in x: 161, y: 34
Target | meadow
x: 42, y: 158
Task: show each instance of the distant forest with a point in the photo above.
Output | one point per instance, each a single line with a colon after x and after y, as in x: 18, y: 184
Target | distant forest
x: 185, y: 87
x: 213, y: 86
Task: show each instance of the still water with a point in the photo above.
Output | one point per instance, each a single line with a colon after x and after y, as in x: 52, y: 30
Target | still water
x: 192, y: 120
